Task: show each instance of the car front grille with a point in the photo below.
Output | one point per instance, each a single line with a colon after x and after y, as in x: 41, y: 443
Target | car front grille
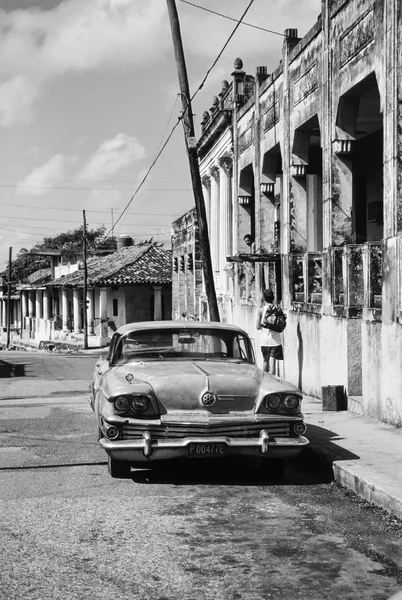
x: 131, y: 431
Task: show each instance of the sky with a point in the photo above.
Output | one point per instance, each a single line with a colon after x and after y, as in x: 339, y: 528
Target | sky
x: 88, y: 95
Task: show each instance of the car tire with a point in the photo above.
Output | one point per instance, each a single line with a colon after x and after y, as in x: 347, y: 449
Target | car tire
x: 118, y: 469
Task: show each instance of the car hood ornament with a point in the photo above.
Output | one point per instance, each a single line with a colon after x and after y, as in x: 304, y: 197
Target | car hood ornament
x: 208, y: 399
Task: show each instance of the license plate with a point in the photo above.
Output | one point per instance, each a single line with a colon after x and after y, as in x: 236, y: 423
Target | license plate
x: 206, y: 450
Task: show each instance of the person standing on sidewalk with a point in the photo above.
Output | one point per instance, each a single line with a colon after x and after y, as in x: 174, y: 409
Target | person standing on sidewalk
x: 270, y: 341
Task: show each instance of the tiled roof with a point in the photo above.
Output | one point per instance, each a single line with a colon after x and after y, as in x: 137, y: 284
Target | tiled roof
x: 37, y: 279
x: 130, y: 265
x: 40, y: 276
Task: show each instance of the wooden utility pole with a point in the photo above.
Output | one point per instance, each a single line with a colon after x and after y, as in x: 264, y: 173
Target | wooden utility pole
x: 85, y: 290
x: 9, y: 300
x: 188, y: 125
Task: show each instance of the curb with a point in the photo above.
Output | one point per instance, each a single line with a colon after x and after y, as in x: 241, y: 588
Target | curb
x: 363, y: 481
x: 369, y: 486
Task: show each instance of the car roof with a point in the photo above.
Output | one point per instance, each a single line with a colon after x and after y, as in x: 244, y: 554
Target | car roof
x: 174, y: 324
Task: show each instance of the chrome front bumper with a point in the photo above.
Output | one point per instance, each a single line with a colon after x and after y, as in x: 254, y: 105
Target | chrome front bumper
x: 147, y: 449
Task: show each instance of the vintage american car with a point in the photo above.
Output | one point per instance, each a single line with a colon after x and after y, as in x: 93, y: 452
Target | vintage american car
x: 190, y: 390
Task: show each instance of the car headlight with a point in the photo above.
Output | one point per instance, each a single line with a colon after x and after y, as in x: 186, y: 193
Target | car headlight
x: 291, y: 402
x: 121, y: 404
x: 273, y: 402
x: 139, y: 403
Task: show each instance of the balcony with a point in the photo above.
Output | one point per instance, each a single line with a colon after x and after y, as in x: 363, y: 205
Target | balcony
x: 355, y: 280
x: 306, y: 272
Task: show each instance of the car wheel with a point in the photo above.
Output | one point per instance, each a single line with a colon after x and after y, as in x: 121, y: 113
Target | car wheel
x: 118, y: 469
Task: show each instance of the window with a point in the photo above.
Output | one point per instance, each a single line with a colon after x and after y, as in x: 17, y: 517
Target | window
x: 115, y: 307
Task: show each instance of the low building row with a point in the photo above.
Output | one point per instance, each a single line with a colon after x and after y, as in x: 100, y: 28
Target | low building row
x: 132, y: 284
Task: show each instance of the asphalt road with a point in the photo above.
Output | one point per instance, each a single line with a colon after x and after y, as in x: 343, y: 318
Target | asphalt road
x: 70, y: 532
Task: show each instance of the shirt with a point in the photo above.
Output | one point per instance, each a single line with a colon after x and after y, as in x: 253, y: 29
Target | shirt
x: 268, y: 337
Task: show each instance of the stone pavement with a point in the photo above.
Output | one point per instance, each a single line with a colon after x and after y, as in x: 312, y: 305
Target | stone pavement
x: 365, y: 454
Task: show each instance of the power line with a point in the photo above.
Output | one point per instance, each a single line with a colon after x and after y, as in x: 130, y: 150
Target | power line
x: 84, y: 180
x: 145, y: 176
x: 182, y: 115
x: 88, y: 211
x: 214, y: 12
x: 239, y: 22
x: 88, y: 189
x: 69, y: 221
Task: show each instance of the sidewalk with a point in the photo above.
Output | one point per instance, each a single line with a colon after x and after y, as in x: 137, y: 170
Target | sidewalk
x: 365, y: 454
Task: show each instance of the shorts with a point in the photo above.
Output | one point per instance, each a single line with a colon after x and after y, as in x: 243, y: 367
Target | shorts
x: 272, y: 352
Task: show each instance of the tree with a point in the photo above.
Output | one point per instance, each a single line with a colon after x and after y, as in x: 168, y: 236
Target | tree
x: 71, y: 247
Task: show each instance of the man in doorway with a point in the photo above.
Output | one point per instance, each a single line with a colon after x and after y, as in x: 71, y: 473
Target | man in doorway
x: 249, y: 240
x: 270, y: 341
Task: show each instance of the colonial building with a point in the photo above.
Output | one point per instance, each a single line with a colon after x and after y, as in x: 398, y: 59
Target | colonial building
x: 307, y: 161
x: 132, y: 284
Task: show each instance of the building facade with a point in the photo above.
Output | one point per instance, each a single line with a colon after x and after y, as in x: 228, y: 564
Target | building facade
x: 307, y: 162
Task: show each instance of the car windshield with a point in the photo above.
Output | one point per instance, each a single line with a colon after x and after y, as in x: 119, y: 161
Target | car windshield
x: 183, y: 344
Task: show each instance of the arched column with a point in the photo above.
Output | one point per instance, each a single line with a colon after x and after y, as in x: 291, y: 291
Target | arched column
x: 214, y: 218
x: 46, y: 305
x: 24, y: 305
x: 64, y: 309
x: 38, y: 308
x: 90, y: 299
x: 4, y: 314
x: 31, y: 305
x: 77, y: 296
x: 103, y: 311
x: 206, y: 189
x: 225, y: 220
x: 38, y: 303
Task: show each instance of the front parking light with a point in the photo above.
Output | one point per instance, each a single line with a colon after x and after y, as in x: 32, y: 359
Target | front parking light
x: 300, y: 428
x: 112, y: 432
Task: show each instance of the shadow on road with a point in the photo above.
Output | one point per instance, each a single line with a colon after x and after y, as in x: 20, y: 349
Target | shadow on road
x: 305, y: 470
x: 11, y: 370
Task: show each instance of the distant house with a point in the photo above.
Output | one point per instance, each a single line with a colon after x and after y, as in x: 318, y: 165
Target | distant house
x: 132, y: 284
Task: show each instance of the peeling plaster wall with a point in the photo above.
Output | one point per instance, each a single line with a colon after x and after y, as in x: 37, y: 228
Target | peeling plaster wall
x: 382, y: 367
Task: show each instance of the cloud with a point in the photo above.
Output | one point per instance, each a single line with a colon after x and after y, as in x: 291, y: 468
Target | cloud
x: 17, y: 96
x: 38, y: 45
x: 247, y: 42
x: 111, y: 157
x: 39, y: 181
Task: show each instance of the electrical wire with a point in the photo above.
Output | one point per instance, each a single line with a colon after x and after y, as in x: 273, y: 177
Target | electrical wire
x: 182, y: 116
x: 214, y: 12
x: 87, y: 189
x: 239, y: 22
x: 88, y: 211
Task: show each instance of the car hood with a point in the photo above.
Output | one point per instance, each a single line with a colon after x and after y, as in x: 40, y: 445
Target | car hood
x: 181, y: 385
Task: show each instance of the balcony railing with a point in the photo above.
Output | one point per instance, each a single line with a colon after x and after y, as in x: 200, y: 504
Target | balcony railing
x: 307, y: 277
x: 374, y: 267
x: 356, y: 278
